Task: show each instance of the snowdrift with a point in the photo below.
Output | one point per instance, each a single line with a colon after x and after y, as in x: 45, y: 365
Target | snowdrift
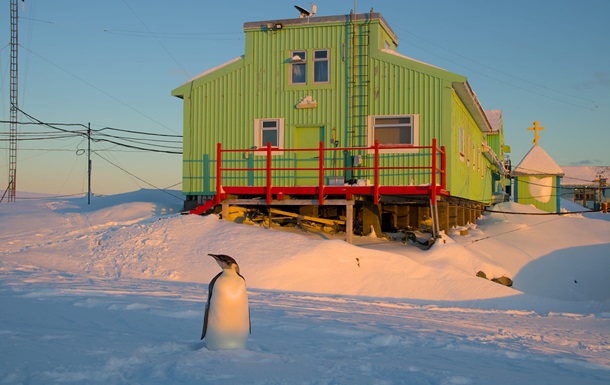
x: 142, y: 235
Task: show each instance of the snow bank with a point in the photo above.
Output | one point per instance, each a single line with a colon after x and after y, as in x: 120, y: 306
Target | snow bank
x: 115, y: 293
x: 141, y: 235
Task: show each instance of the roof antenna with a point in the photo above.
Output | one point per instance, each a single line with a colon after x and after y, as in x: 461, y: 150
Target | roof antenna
x: 305, y: 13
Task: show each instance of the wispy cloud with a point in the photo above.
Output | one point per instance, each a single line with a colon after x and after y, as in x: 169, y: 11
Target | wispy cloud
x: 587, y: 162
x: 599, y: 79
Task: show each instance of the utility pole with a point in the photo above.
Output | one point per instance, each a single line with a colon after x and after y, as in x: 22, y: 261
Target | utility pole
x: 14, y: 79
x: 89, y: 163
x: 601, y: 183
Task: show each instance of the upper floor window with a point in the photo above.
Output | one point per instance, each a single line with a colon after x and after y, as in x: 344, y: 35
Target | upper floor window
x: 320, y: 66
x: 299, y: 67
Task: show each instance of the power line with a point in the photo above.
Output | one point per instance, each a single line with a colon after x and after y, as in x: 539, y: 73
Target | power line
x: 40, y: 123
x: 592, y: 102
x: 178, y: 35
x: 545, y: 213
x: 137, y: 177
x: 97, y: 88
x: 138, y: 147
x: 142, y: 144
x: 137, y: 132
x: 509, y: 231
x: 128, y: 138
x: 157, y: 40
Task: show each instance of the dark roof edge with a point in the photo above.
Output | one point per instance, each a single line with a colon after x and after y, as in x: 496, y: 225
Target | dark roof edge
x: 321, y: 20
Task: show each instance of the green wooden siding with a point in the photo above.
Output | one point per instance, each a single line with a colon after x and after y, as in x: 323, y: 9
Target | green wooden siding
x: 221, y: 106
x: 468, y: 171
x: 539, y: 191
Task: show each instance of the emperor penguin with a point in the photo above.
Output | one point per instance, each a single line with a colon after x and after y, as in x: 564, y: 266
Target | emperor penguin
x: 226, y: 323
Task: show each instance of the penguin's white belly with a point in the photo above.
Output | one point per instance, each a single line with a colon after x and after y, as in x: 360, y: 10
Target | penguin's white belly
x: 229, y: 317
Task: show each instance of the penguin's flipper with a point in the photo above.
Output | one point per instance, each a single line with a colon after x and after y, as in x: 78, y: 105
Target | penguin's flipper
x: 205, y: 321
x: 207, y: 305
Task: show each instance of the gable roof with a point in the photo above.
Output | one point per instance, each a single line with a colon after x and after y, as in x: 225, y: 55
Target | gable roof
x: 537, y: 162
x: 180, y: 91
x: 495, y: 119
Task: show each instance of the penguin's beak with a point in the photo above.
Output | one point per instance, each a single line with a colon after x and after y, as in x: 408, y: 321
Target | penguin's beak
x: 215, y: 256
x: 225, y: 261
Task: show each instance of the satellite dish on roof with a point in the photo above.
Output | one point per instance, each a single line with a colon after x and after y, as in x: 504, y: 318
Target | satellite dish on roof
x: 305, y: 13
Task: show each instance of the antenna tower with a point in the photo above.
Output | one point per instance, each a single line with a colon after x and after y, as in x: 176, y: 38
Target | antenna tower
x: 12, y: 173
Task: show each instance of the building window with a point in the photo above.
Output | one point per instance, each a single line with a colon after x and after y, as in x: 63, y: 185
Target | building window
x: 584, y: 193
x: 462, y: 143
x: 320, y: 66
x: 474, y: 156
x: 299, y: 67
x: 394, y: 130
x: 268, y: 131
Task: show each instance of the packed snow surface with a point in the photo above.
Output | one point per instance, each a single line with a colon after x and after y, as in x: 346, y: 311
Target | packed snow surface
x: 114, y: 293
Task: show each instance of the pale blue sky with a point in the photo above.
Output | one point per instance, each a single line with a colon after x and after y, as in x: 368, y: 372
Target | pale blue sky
x: 114, y: 63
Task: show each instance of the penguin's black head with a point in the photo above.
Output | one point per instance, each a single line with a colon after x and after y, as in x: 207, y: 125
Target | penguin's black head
x: 225, y: 262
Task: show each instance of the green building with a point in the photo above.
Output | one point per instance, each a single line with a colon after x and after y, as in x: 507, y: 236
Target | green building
x: 537, y: 181
x: 325, y: 110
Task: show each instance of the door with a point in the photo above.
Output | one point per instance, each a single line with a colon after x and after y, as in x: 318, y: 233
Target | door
x: 308, y: 137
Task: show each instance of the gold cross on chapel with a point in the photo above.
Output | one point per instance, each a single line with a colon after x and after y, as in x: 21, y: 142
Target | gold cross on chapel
x: 536, y: 128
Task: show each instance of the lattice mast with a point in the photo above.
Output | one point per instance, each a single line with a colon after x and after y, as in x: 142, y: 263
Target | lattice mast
x: 14, y: 80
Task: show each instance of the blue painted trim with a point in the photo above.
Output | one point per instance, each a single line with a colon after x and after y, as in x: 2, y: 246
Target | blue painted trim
x: 557, y: 194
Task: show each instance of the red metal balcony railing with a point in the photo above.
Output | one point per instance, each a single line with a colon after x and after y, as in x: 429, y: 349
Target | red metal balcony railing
x: 276, y: 172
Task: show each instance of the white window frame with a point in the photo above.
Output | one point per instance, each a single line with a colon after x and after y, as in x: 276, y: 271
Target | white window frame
x: 461, y: 142
x: 316, y: 60
x: 414, y: 133
x: 258, y: 135
x: 474, y: 155
x: 302, y: 63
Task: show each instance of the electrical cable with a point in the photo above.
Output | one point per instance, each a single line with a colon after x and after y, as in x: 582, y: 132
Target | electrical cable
x: 137, y: 177
x: 559, y: 213
x: 137, y: 147
x: 140, y: 139
x: 137, y: 132
x: 178, y: 35
x: 97, y: 88
x: 142, y: 143
x: 508, y: 232
x: 593, y: 103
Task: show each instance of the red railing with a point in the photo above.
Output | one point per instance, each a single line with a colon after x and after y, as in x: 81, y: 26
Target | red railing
x: 321, y: 189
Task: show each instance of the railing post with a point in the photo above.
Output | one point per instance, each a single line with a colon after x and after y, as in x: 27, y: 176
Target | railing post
x: 268, y: 192
x: 321, y: 174
x: 218, y: 172
x: 444, y: 168
x: 433, y: 176
x: 376, y: 174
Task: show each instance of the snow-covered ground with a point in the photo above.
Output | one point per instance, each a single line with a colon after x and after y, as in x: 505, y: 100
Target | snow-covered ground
x: 114, y: 293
